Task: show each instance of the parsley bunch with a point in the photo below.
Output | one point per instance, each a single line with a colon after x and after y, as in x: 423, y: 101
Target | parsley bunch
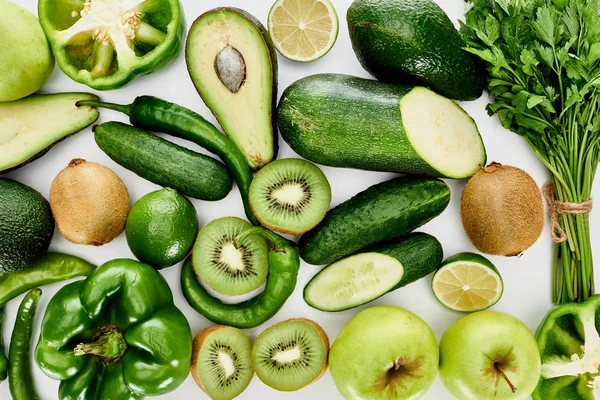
x: 543, y: 62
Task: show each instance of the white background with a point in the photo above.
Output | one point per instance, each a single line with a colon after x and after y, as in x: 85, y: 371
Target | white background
x: 527, y: 279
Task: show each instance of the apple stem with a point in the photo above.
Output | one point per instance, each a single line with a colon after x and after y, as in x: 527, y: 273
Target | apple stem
x: 499, y: 369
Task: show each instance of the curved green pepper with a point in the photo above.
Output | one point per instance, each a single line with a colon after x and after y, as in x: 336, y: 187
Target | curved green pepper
x: 157, y: 115
x: 20, y: 380
x: 3, y: 358
x: 115, y: 335
x: 93, y: 49
x: 569, y: 342
x: 51, y: 268
x: 284, y: 262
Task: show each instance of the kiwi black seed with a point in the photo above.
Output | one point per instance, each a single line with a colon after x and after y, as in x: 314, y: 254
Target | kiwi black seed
x: 223, y: 264
x: 221, y: 362
x: 290, y: 196
x: 291, y: 354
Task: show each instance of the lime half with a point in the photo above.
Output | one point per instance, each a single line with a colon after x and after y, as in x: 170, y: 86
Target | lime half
x: 467, y: 282
x: 303, y: 30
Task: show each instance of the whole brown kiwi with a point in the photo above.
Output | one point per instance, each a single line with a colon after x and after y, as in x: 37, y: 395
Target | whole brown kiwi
x: 90, y: 203
x: 502, y: 210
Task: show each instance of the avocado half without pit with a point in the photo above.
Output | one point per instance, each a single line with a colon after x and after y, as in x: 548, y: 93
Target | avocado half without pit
x: 106, y: 43
x: 233, y: 64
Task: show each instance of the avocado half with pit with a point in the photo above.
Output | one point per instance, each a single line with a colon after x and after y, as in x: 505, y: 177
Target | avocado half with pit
x: 233, y: 64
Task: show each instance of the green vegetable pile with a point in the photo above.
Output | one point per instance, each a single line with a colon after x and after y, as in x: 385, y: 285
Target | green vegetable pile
x: 543, y: 60
x: 118, y: 333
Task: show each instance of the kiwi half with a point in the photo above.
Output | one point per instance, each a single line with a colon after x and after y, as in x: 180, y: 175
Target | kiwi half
x: 226, y: 266
x: 221, y: 363
x: 290, y: 196
x: 291, y: 354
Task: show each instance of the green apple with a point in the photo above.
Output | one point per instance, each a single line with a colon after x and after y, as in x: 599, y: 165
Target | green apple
x: 26, y: 61
x: 386, y: 353
x: 489, y: 355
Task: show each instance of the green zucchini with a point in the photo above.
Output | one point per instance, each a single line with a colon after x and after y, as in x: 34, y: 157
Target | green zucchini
x: 349, y: 122
x: 364, y: 277
x: 164, y: 163
x: 381, y: 213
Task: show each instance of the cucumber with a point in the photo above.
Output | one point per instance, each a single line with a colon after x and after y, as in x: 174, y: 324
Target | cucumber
x: 382, y: 212
x: 364, y: 277
x: 349, y: 122
x: 164, y: 163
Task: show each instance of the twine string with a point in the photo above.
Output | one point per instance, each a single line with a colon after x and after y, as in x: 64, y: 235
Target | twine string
x: 557, y: 208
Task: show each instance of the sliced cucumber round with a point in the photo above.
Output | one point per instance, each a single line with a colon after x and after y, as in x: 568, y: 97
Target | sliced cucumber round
x: 353, y: 281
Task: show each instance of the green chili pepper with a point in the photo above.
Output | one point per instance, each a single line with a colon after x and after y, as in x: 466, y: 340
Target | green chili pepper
x: 51, y: 268
x: 154, y: 114
x: 115, y: 335
x: 284, y: 262
x: 20, y: 380
x: 3, y: 358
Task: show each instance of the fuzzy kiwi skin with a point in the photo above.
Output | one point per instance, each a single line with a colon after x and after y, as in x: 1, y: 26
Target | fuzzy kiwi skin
x: 502, y: 210
x: 197, y: 344
x: 90, y: 203
x: 324, y: 338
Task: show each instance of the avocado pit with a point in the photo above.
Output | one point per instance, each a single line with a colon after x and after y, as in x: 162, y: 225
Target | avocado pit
x: 231, y: 68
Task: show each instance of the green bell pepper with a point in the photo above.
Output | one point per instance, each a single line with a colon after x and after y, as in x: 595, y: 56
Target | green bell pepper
x: 115, y: 335
x: 569, y: 343
x: 106, y: 43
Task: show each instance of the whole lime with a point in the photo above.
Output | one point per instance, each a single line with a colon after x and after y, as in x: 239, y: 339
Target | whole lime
x: 26, y: 61
x: 161, y: 228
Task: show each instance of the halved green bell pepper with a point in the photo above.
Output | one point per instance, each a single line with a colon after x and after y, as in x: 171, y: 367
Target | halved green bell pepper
x: 569, y: 343
x: 106, y: 43
x: 115, y: 335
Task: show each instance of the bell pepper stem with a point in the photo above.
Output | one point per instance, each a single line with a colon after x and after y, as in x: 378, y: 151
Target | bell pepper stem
x: 109, y: 345
x: 123, y: 108
x: 278, y: 243
x: 501, y: 372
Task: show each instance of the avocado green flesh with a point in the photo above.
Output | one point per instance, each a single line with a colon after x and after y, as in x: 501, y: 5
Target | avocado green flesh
x: 246, y: 114
x: 413, y: 42
x: 31, y: 125
x: 389, y: 127
x: 26, y: 225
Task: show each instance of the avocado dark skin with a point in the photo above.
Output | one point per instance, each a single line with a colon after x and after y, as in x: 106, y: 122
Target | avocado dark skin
x: 26, y: 225
x: 414, y: 42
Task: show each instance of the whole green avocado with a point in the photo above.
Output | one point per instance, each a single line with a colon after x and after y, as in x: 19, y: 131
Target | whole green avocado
x: 413, y: 42
x: 26, y: 225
